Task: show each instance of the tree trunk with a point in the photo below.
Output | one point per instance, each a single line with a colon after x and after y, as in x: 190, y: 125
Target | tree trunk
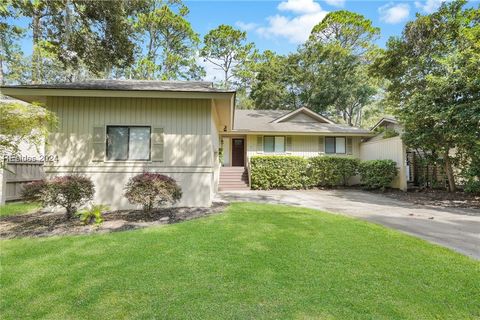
x: 449, y: 172
x: 36, y: 54
x: 1, y: 72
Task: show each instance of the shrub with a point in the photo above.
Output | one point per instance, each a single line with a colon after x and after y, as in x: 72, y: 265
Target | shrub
x: 151, y: 190
x: 33, y: 191
x: 94, y: 213
x: 278, y: 172
x: 69, y: 192
x: 377, y: 174
x: 328, y: 171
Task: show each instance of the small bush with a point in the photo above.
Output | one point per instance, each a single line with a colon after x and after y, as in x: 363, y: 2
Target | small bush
x: 328, y: 171
x: 151, y: 190
x: 377, y: 174
x: 33, y: 191
x: 278, y: 172
x: 69, y: 192
x: 93, y: 214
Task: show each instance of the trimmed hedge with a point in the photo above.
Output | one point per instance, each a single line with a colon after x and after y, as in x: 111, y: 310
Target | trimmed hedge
x: 278, y: 172
x: 377, y: 174
x: 328, y: 171
x: 293, y: 172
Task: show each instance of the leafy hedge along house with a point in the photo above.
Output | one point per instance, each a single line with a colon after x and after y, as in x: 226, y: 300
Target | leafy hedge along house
x: 111, y: 130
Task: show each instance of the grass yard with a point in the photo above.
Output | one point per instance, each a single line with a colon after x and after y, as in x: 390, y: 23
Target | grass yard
x: 15, y: 208
x: 253, y: 262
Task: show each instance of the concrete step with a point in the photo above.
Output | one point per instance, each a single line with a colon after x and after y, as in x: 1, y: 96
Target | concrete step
x: 233, y: 188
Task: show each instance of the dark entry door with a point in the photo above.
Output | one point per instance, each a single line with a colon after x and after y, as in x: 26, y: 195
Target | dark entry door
x: 238, y: 154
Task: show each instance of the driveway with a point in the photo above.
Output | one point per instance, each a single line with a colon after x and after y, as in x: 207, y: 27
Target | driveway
x: 455, y: 228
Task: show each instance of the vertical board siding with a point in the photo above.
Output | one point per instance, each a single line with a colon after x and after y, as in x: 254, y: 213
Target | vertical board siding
x: 303, y: 146
x: 388, y: 149
x: 186, y: 122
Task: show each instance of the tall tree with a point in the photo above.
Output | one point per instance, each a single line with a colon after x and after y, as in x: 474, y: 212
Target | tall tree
x: 12, y: 63
x: 271, y: 87
x: 79, y: 33
x: 227, y: 49
x: 172, y: 43
x: 433, y: 70
x: 334, y: 62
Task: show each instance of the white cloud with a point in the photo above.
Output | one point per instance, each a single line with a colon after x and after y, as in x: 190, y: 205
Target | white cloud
x: 394, y: 13
x: 295, y: 29
x: 429, y: 6
x: 300, y: 6
x: 246, y: 26
x: 336, y: 3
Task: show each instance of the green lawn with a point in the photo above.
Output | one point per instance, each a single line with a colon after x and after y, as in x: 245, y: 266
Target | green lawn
x: 14, y: 208
x: 253, y: 262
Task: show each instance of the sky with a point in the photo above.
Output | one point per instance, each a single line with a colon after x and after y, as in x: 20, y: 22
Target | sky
x: 282, y: 26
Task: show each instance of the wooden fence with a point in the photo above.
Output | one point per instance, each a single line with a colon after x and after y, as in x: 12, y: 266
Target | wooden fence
x: 16, y: 175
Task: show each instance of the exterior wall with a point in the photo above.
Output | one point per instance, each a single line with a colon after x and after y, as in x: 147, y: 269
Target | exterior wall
x: 301, y: 117
x: 303, y: 146
x: 189, y: 139
x: 393, y: 149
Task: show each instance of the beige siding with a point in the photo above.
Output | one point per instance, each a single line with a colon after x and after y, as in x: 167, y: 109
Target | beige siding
x: 188, y: 142
x: 186, y: 123
x: 301, y: 117
x: 303, y: 146
x: 392, y: 149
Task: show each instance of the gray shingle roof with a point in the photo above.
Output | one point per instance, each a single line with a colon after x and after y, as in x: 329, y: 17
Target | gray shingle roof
x: 261, y: 121
x: 133, y: 85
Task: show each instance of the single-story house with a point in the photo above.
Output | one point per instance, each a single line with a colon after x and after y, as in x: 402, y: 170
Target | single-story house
x: 112, y: 130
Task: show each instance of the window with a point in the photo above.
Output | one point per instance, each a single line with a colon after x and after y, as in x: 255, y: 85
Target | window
x: 335, y: 145
x: 128, y: 143
x: 274, y: 144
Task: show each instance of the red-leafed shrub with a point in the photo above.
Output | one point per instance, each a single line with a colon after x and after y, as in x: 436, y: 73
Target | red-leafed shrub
x: 151, y: 190
x: 69, y: 192
x: 33, y: 191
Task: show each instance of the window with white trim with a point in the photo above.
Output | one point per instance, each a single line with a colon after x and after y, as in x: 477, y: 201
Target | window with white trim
x: 274, y: 144
x: 128, y: 143
x: 335, y: 145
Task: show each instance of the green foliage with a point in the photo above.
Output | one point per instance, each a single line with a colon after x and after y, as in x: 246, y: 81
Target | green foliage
x: 226, y: 48
x: 69, y: 192
x: 23, y: 123
x: 387, y: 132
x: 330, y: 171
x: 152, y: 189
x: 171, y: 43
x: 377, y: 174
x: 270, y: 88
x: 278, y: 172
x: 434, y: 87
x: 390, y: 133
x: 93, y: 214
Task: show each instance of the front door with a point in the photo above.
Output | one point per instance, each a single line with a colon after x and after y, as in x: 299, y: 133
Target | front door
x: 238, y: 152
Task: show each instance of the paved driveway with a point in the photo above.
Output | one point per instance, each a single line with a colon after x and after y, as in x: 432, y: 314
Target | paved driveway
x: 458, y: 229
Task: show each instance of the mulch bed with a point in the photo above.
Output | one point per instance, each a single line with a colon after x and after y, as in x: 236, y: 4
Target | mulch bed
x: 440, y: 198
x: 44, y: 224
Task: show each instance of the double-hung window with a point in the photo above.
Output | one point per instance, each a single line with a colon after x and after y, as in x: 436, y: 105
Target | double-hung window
x: 335, y: 145
x: 274, y: 144
x: 128, y: 143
